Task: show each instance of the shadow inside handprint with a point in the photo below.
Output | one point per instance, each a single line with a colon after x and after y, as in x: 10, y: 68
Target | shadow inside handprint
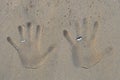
x: 29, y: 48
x: 84, y: 50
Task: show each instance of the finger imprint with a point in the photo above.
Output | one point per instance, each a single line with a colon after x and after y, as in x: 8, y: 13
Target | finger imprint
x: 77, y: 27
x: 20, y: 30
x: 28, y: 33
x: 85, y: 27
x: 95, y: 28
x: 38, y: 31
x: 68, y: 37
x: 12, y: 43
x: 50, y: 49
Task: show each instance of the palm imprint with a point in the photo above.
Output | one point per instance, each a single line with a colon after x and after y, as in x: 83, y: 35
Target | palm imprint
x: 84, y: 51
x: 29, y: 48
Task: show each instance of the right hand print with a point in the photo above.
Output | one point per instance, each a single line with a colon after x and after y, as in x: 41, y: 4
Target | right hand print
x: 29, y: 48
x: 84, y: 50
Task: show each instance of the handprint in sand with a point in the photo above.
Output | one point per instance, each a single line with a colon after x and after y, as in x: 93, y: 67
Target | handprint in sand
x: 84, y: 51
x: 29, y: 47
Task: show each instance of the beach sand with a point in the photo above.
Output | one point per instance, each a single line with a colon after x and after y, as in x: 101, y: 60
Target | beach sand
x: 58, y: 19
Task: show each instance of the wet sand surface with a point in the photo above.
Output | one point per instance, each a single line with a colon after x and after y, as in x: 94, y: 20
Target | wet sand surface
x: 95, y: 56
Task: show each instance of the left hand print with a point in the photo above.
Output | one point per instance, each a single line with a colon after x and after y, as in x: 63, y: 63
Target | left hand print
x: 29, y: 48
x: 85, y: 53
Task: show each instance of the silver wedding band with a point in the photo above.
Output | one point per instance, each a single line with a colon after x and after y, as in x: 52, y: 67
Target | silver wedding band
x: 79, y: 38
x: 22, y: 41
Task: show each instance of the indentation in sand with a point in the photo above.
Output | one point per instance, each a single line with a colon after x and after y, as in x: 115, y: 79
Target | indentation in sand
x: 84, y: 51
x: 30, y: 50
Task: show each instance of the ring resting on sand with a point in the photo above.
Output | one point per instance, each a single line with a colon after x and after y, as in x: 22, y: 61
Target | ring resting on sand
x: 22, y: 41
x: 79, y: 38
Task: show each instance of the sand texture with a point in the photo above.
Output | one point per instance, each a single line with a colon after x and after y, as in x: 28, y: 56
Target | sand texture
x: 59, y: 39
